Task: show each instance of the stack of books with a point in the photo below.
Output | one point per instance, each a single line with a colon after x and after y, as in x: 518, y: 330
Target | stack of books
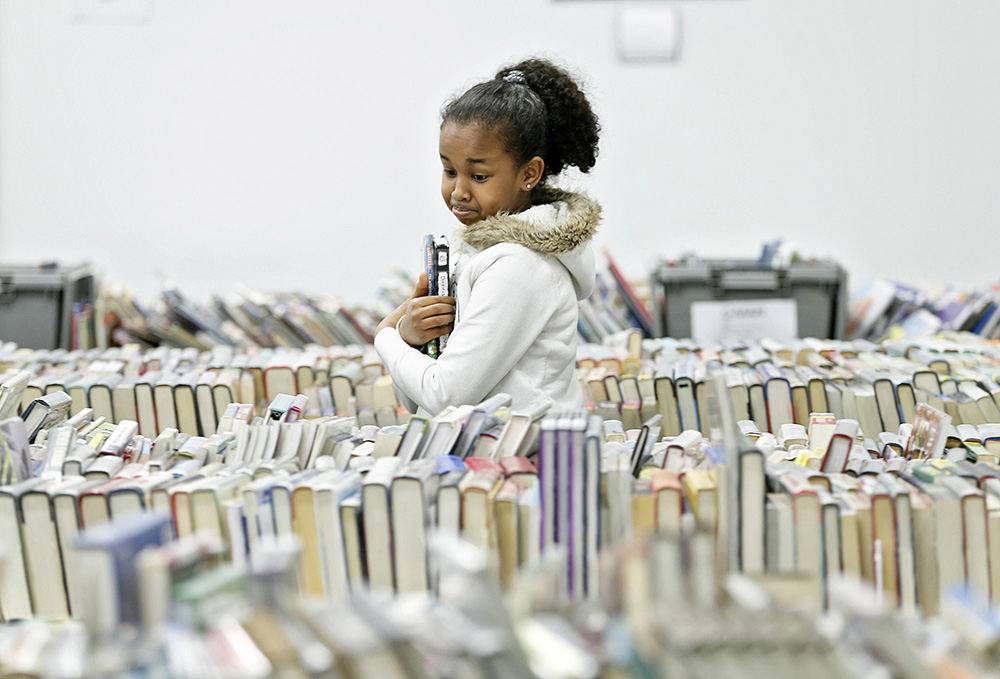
x: 798, y: 465
x: 773, y: 383
x: 245, y: 319
x: 361, y: 499
x: 189, y: 390
x: 178, y: 608
x: 251, y: 318
x: 883, y: 308
x: 616, y: 305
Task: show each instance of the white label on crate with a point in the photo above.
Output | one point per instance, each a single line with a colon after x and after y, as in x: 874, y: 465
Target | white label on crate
x: 745, y: 319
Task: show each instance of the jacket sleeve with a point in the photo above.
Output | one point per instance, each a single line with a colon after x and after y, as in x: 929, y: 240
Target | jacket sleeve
x: 509, y: 305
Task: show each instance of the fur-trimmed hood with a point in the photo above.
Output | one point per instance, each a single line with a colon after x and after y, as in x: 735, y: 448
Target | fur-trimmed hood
x: 559, y: 224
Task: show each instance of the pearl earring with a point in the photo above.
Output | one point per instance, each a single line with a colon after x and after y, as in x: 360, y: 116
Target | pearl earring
x: 527, y: 186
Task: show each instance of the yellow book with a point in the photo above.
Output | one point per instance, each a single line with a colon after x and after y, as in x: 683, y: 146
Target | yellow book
x: 479, y: 490
x: 304, y: 526
x: 925, y: 549
x: 700, y: 489
x: 506, y: 516
x: 643, y: 508
x: 850, y: 541
x: 646, y: 473
x: 993, y: 534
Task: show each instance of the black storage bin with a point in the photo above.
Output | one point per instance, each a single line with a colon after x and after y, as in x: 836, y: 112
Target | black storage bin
x: 39, y: 304
x: 818, y: 288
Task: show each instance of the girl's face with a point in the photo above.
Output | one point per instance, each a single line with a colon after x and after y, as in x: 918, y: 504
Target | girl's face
x: 480, y: 178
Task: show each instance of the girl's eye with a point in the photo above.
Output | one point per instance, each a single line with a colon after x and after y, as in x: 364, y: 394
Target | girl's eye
x: 449, y: 173
x: 479, y: 177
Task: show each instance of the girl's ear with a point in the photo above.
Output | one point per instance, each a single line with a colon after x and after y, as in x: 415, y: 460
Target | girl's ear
x: 531, y: 173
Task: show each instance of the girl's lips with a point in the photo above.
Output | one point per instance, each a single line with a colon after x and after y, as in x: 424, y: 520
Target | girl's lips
x: 459, y: 212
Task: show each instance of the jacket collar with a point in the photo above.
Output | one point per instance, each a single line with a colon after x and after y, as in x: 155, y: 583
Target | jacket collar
x: 569, y: 222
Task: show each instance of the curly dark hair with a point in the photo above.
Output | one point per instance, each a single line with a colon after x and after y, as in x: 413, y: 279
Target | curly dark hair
x: 538, y: 110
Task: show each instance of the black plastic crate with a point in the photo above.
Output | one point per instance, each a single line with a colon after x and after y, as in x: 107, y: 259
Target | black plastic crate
x: 818, y: 289
x: 39, y: 305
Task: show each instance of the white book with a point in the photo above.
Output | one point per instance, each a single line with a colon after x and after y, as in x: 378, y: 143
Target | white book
x: 327, y: 497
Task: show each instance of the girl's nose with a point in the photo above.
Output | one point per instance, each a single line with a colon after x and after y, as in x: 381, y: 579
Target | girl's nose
x: 461, y: 190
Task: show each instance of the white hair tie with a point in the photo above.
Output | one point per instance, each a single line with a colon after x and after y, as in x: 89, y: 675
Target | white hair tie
x: 516, y: 77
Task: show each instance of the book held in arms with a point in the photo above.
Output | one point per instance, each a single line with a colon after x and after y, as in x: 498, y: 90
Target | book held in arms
x: 437, y: 267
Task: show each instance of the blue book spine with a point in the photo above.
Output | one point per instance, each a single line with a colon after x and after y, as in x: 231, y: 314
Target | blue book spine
x: 431, y: 348
x: 448, y: 463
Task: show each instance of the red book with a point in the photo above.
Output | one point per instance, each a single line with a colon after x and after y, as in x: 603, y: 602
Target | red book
x: 478, y: 463
x: 839, y: 448
x: 630, y: 299
x: 663, y: 479
x: 478, y: 492
x: 669, y: 500
x: 514, y: 464
x: 519, y: 469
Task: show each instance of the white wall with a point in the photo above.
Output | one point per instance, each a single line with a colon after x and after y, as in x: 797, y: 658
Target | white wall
x: 292, y: 145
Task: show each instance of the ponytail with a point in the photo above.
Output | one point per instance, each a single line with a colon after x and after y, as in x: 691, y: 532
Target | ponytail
x: 538, y: 110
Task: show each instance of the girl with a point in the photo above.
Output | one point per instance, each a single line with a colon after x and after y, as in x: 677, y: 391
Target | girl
x: 523, y: 259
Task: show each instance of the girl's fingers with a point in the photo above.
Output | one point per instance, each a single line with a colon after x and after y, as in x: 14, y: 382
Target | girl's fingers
x: 431, y: 311
x: 438, y: 321
x: 432, y: 302
x: 435, y: 310
x: 428, y: 317
x: 438, y: 299
x: 421, y: 289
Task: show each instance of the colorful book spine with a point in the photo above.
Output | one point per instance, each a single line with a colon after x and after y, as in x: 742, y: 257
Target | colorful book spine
x: 432, y: 348
x: 442, y: 275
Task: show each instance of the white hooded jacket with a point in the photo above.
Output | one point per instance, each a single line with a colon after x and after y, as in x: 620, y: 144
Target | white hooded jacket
x: 519, y: 278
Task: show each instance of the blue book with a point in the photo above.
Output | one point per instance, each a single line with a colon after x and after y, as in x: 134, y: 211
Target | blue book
x: 449, y: 463
x: 986, y: 319
x: 185, y: 468
x: 716, y: 453
x: 107, y: 562
x: 279, y: 407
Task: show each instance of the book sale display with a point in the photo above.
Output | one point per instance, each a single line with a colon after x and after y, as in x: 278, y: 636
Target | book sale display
x: 251, y: 319
x: 800, y: 508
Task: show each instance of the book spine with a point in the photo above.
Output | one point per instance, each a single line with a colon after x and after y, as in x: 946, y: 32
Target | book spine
x: 432, y: 347
x: 442, y: 274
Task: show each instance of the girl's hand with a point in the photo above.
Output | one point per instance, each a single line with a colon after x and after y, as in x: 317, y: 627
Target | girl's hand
x: 424, y: 318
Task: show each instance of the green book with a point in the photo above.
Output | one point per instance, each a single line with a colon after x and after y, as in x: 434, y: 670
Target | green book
x: 929, y: 473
